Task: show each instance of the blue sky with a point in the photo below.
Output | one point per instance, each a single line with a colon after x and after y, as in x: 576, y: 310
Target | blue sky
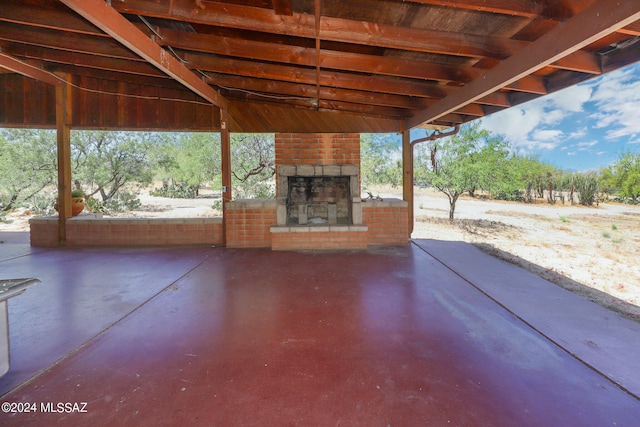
x: 580, y: 128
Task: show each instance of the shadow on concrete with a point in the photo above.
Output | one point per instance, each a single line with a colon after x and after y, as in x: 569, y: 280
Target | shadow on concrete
x: 630, y: 311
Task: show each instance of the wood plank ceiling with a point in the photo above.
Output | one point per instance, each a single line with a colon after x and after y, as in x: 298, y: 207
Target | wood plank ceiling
x: 313, y: 65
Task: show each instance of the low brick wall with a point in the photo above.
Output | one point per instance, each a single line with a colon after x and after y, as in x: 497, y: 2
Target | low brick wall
x: 319, y: 237
x: 85, y: 230
x: 387, y: 220
x: 248, y: 223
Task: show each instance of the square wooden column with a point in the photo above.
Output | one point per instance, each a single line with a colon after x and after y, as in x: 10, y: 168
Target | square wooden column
x: 407, y: 176
x: 225, y: 138
x: 63, y: 133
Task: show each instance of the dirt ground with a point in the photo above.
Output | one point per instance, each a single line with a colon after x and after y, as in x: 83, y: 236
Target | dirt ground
x: 592, y: 251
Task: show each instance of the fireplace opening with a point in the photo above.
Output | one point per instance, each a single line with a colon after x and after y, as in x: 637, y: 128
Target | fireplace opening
x: 317, y: 200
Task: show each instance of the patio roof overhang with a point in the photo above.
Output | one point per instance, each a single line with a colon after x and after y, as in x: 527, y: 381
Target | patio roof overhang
x: 303, y: 65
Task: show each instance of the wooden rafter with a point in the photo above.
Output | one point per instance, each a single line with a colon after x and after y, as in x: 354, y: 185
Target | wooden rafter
x: 349, y: 31
x: 10, y: 63
x: 589, y: 25
x: 524, y: 8
x: 331, y: 59
x: 114, y: 24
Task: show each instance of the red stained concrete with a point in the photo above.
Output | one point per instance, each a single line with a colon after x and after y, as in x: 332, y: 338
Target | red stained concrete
x: 398, y: 336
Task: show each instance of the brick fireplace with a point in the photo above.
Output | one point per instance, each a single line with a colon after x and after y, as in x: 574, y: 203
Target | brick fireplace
x: 317, y: 174
x: 318, y: 201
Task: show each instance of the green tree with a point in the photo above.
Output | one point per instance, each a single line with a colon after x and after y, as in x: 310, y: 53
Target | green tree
x: 460, y: 164
x: 104, y: 162
x: 194, y: 159
x: 380, y: 160
x: 191, y: 159
x: 624, y: 176
x: 28, y: 164
x: 494, y: 166
x: 253, y: 165
x: 535, y: 177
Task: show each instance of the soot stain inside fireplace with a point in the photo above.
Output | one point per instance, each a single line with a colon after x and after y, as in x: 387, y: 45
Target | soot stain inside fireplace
x: 318, y: 200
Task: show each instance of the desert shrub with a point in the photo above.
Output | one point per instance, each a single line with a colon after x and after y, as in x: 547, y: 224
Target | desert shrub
x: 123, y: 201
x: 586, y: 184
x: 42, y: 203
x: 176, y: 190
x: 217, y: 205
x: 95, y: 205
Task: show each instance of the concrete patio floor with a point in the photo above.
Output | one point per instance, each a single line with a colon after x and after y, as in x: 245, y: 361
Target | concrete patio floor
x: 433, y: 333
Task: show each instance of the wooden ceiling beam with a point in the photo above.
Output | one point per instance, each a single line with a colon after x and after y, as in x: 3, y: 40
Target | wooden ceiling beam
x: 28, y: 70
x: 523, y: 8
x: 111, y: 22
x: 296, y: 55
x: 162, y: 80
x: 270, y: 89
x: 496, y: 99
x: 631, y: 30
x: 288, y: 73
x: 383, y: 112
x: 371, y: 83
x: 287, y: 90
x: 64, y: 40
x: 591, y: 24
x: 53, y: 19
x: 342, y: 30
x: 81, y: 59
x: 222, y: 15
x: 419, y: 40
x: 323, y: 106
x: 330, y: 59
x: 279, y: 53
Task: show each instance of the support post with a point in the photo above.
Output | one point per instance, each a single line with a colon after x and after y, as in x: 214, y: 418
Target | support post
x: 63, y: 134
x: 407, y: 176
x: 225, y: 138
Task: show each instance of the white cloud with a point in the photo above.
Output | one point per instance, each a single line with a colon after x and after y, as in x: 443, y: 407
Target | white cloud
x: 617, y: 97
x: 587, y: 144
x: 530, y: 126
x: 580, y: 133
x: 576, y: 119
x: 547, y: 134
x: 572, y: 99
